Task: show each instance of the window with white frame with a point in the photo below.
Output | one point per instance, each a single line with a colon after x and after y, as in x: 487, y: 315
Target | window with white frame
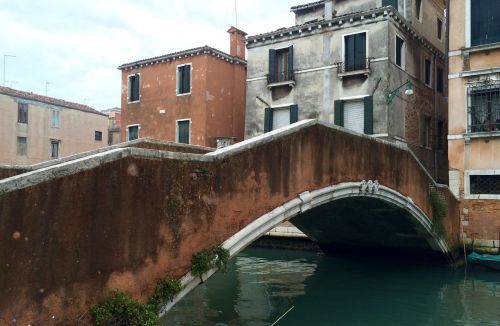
x: 54, y: 148
x: 484, y: 106
x: 55, y: 120
x: 484, y: 26
x: 133, y: 88
x: 400, y: 52
x: 355, y: 52
x: 184, y: 79
x: 355, y: 114
x: 132, y: 132
x: 277, y: 117
x: 183, y: 131
x: 487, y: 184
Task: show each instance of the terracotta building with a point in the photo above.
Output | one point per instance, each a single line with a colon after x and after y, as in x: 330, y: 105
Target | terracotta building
x: 36, y: 128
x: 114, y: 125
x: 339, y: 63
x: 474, y: 118
x: 196, y: 96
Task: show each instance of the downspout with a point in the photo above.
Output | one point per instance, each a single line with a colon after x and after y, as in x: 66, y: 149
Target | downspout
x: 435, y: 121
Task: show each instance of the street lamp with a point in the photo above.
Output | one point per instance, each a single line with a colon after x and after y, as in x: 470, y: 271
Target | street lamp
x: 408, y: 91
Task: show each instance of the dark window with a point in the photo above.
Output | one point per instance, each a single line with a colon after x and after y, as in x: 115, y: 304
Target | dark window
x: 439, y: 29
x: 400, y: 52
x: 484, y: 108
x: 275, y: 118
x: 98, y: 135
x: 439, y: 80
x: 133, y: 132
x: 22, y: 146
x: 54, y: 148
x: 418, y: 8
x: 425, y: 131
x: 22, y: 112
x: 280, y: 65
x: 485, y: 15
x: 393, y: 3
x: 133, y: 87
x: 485, y: 184
x: 183, y: 131
x: 355, y: 52
x: 441, y: 134
x: 427, y: 72
x: 184, y: 79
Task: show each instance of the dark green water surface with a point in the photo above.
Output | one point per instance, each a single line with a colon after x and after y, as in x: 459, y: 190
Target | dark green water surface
x: 262, y: 284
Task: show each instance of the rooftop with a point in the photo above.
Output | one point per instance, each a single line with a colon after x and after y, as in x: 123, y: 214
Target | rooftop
x: 183, y: 54
x: 307, y: 6
x: 48, y: 100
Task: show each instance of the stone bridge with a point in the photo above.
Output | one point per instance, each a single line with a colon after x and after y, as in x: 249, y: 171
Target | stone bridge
x: 75, y: 229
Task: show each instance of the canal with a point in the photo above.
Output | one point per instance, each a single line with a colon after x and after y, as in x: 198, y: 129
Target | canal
x: 261, y: 285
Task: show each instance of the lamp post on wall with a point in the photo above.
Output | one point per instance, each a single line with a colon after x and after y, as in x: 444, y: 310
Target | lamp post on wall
x: 408, y: 91
x: 5, y: 56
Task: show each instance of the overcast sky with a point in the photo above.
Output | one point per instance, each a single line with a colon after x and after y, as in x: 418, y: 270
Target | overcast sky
x: 76, y: 46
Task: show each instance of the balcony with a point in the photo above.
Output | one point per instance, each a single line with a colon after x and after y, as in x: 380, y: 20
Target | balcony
x: 284, y: 78
x: 353, y: 69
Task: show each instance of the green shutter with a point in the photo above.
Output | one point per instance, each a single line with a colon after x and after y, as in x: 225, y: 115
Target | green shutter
x: 289, y: 69
x: 186, y: 87
x: 272, y: 64
x: 268, y: 119
x: 338, y: 113
x: 368, y: 115
x: 294, y: 113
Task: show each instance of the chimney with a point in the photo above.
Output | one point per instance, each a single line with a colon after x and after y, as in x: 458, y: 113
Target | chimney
x: 328, y: 9
x: 237, y: 42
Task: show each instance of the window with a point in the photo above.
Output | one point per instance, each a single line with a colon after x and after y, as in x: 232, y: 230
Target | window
x: 184, y: 79
x: 418, y: 9
x: 484, y: 25
x: 22, y: 112
x: 439, y: 80
x: 132, y: 132
x: 355, y: 52
x: 356, y: 115
x: 427, y: 72
x: 54, y: 148
x: 278, y: 117
x: 98, y: 135
x: 280, y: 65
x: 400, y: 52
x: 22, y: 146
x: 425, y: 131
x: 393, y: 3
x: 134, y: 87
x: 439, y: 29
x: 183, y: 131
x: 485, y: 184
x: 441, y: 135
x: 484, y: 107
x: 55, y: 122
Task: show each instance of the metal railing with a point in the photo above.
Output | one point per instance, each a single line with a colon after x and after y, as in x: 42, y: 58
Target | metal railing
x: 342, y: 68
x: 483, y: 107
x: 287, y: 75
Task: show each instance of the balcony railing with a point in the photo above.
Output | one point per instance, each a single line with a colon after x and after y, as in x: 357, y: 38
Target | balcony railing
x: 353, y: 69
x: 282, y: 78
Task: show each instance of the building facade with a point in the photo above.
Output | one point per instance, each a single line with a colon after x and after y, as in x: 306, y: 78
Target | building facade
x: 195, y: 96
x: 36, y: 128
x: 474, y: 118
x: 340, y: 62
x: 114, y: 125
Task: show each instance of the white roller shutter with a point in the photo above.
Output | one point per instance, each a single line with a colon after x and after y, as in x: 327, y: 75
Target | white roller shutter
x: 281, y: 117
x: 354, y: 116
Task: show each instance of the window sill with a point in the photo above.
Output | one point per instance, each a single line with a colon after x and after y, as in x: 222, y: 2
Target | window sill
x: 483, y: 134
x: 184, y: 94
x: 133, y: 102
x: 290, y: 83
x: 481, y: 196
x: 482, y: 47
x: 365, y: 72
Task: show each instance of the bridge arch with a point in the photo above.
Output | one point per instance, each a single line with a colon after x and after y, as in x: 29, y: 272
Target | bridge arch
x: 310, y: 200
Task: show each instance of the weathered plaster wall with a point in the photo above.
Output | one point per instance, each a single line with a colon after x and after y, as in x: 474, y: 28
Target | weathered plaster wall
x: 120, y: 221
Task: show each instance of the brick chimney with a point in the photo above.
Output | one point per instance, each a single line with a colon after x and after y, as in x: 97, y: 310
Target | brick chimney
x: 237, y: 42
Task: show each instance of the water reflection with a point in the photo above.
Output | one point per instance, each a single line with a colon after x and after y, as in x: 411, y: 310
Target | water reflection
x: 262, y: 284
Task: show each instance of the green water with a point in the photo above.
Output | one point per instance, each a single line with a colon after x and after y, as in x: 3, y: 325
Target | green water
x: 262, y: 284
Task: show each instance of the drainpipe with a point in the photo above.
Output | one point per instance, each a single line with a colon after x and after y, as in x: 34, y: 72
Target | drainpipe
x: 435, y: 120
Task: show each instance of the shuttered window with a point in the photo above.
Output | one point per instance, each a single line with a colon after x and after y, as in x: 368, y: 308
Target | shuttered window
x: 133, y: 87
x: 22, y: 112
x: 355, y: 115
x: 485, y: 28
x: 184, y: 79
x: 355, y: 51
x: 280, y: 65
x: 183, y: 131
x: 133, y: 133
x: 275, y: 118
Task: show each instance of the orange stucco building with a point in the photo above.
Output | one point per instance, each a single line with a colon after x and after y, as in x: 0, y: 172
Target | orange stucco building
x: 196, y: 96
x: 474, y: 118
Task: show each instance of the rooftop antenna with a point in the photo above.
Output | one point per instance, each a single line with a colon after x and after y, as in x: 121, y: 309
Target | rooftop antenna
x: 47, y: 83
x: 235, y: 14
x: 5, y: 56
